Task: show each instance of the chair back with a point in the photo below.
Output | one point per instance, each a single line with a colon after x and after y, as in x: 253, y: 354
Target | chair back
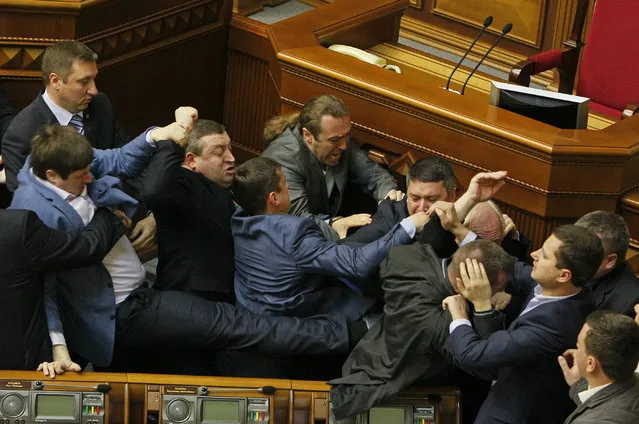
x: 610, y: 64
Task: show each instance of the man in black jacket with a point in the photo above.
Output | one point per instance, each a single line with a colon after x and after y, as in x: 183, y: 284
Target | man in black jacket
x: 188, y: 190
x: 615, y: 286
x: 28, y: 249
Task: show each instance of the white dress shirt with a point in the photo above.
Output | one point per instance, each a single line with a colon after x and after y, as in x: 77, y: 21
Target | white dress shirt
x: 61, y: 114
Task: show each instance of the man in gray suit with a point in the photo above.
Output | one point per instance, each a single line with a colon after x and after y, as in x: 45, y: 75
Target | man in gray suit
x: 318, y: 158
x: 601, y: 376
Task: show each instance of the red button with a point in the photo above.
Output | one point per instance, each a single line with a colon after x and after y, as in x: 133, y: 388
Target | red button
x: 97, y: 410
x: 262, y: 416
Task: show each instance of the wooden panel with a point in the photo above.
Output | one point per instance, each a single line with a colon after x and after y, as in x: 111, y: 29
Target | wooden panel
x: 153, y: 55
x: 252, y: 96
x: 526, y: 16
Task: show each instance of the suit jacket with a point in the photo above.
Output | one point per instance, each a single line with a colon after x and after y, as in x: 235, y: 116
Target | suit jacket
x: 193, y: 216
x: 408, y: 342
x: 28, y: 248
x: 86, y: 301
x: 615, y: 404
x: 529, y: 384
x: 307, y: 182
x: 101, y: 127
x: 284, y: 266
x: 390, y: 213
x: 7, y: 112
x: 617, y: 291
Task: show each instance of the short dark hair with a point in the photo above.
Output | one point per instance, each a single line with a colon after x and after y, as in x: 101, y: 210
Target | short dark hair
x: 611, y: 229
x: 614, y: 340
x: 59, y: 58
x: 202, y: 128
x: 581, y: 252
x: 494, y: 258
x: 61, y: 149
x: 254, y: 180
x: 433, y: 170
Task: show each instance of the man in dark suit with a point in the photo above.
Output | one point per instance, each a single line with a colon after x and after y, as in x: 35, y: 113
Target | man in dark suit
x: 522, y: 359
x: 28, y: 249
x: 318, y: 158
x: 615, y: 286
x: 70, y: 97
x: 601, y: 374
x: 188, y: 191
x: 429, y: 180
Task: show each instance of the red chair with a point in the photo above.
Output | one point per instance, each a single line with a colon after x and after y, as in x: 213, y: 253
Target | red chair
x: 610, y: 62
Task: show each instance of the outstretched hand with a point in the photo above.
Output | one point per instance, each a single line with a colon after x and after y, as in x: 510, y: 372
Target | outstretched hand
x: 485, y: 185
x: 342, y: 225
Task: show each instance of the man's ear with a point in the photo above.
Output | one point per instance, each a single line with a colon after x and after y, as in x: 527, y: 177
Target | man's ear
x: 272, y: 199
x: 55, y: 80
x: 565, y: 275
x: 591, y: 363
x: 610, y: 261
x: 52, y: 176
x: 308, y: 137
x: 189, y: 161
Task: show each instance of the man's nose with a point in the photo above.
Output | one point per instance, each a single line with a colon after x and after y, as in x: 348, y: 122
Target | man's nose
x: 343, y: 144
x: 93, y: 89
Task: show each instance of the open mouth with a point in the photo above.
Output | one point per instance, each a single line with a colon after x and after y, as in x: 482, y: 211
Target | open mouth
x: 230, y: 171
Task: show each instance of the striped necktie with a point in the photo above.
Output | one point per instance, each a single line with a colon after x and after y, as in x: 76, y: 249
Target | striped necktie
x: 78, y: 123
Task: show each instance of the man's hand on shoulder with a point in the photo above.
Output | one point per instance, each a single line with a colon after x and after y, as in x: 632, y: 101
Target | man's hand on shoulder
x: 457, y: 306
x: 174, y: 132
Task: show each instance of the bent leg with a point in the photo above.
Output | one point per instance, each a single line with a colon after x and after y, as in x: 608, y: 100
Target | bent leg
x: 176, y: 319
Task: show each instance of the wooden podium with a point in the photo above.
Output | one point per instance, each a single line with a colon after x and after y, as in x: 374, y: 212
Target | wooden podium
x: 554, y: 175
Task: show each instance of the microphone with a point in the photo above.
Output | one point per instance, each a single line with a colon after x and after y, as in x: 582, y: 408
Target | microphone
x: 102, y: 388
x: 505, y: 30
x: 267, y: 390
x: 487, y: 22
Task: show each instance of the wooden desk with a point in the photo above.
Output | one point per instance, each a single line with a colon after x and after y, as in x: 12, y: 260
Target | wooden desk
x: 554, y: 176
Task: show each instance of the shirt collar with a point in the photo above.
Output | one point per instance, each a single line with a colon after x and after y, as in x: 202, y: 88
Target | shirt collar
x: 65, y: 195
x: 542, y: 298
x: 61, y: 114
x: 587, y: 394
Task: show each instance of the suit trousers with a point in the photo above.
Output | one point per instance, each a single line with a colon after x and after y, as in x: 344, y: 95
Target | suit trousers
x: 151, y: 321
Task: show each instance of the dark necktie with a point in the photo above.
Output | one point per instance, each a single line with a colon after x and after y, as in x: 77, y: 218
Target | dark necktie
x: 78, y: 123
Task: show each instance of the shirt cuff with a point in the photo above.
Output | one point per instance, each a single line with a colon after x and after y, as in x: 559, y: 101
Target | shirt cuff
x: 409, y: 227
x: 457, y: 323
x: 147, y: 136
x: 57, y: 338
x: 469, y: 237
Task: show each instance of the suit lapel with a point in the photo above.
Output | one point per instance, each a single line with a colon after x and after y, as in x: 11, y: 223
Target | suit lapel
x: 61, y: 205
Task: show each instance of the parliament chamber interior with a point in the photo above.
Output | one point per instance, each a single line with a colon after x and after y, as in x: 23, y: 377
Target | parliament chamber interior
x: 542, y: 89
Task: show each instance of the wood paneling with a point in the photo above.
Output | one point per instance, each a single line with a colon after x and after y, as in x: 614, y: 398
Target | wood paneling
x: 248, y: 7
x: 153, y: 55
x: 527, y: 16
